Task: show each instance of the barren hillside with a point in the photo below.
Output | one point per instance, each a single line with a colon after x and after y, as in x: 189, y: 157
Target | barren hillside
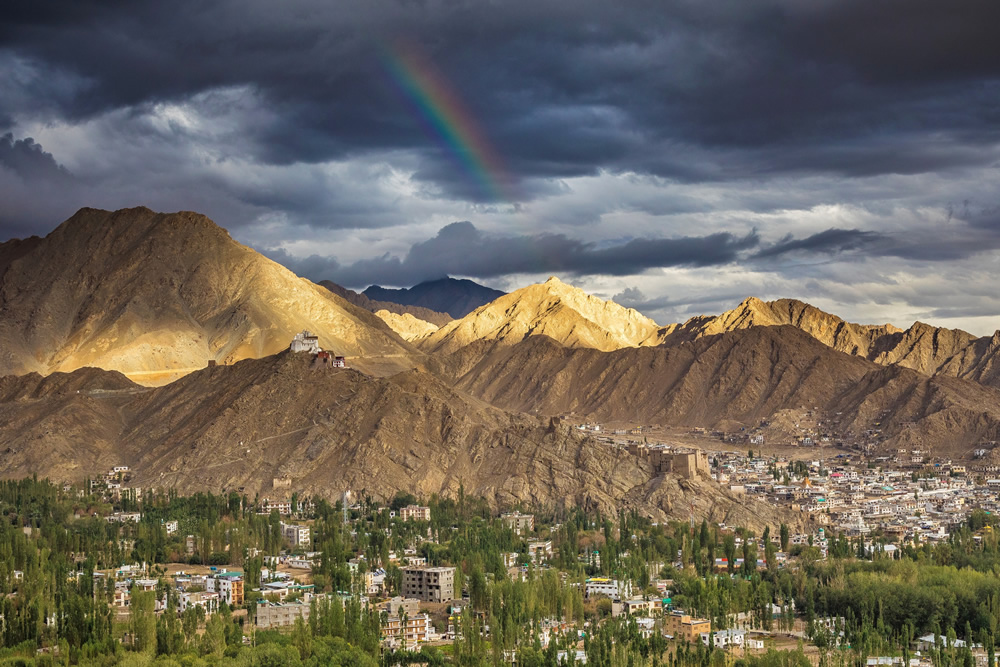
x: 158, y: 295
x: 324, y: 430
x: 736, y: 378
x: 561, y: 312
x: 923, y: 348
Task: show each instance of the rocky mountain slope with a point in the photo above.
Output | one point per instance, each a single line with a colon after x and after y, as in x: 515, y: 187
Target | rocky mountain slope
x: 407, y: 326
x: 325, y: 430
x: 554, y: 309
x: 157, y: 295
x: 66, y: 426
x: 455, y: 297
x: 729, y: 380
x: 923, y: 348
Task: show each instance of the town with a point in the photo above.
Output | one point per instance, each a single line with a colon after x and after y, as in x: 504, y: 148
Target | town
x: 452, y: 579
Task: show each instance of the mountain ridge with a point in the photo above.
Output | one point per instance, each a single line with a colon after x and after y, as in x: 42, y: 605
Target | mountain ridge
x: 322, y: 430
x: 156, y: 295
x: 734, y: 379
x: 921, y: 347
x: 358, y: 299
x: 554, y: 309
x: 456, y: 297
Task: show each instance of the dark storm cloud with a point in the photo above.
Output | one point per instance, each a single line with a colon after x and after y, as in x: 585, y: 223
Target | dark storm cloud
x: 563, y: 89
x: 461, y: 249
x: 313, y: 267
x: 958, y: 242
x: 29, y: 161
x: 827, y: 242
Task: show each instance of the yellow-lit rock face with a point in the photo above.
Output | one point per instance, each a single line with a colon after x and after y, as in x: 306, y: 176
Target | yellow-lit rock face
x: 407, y: 326
x: 923, y: 348
x: 158, y: 295
x: 564, y: 313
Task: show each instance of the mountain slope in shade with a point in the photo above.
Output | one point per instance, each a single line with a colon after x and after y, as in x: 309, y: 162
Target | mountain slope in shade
x: 64, y: 426
x: 564, y: 313
x: 455, y: 297
x: 731, y: 379
x: 923, y: 348
x: 327, y: 430
x: 157, y: 295
x: 362, y: 301
x: 34, y: 386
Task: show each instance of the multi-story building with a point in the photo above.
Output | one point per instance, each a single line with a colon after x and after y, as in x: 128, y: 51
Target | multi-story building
x: 431, y: 584
x: 539, y: 550
x: 284, y: 507
x: 204, y: 599
x: 612, y: 588
x: 412, y: 633
x: 230, y: 587
x: 275, y: 615
x: 679, y: 624
x: 519, y: 523
x: 297, y: 535
x: 415, y: 513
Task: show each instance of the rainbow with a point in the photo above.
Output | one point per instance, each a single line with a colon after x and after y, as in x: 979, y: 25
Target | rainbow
x: 442, y: 110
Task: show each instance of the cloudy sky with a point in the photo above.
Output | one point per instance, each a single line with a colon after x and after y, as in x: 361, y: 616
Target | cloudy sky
x: 677, y: 156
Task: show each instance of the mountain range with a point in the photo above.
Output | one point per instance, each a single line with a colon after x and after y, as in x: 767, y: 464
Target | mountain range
x: 263, y: 423
x: 111, y: 304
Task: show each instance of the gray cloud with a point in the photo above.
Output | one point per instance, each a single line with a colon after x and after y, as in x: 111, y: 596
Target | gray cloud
x: 461, y: 249
x: 315, y: 267
x: 564, y: 88
x: 828, y: 241
x: 630, y: 296
x: 28, y: 160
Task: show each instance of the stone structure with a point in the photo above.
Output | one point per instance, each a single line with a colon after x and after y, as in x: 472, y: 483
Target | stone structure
x: 306, y: 342
x: 685, y: 463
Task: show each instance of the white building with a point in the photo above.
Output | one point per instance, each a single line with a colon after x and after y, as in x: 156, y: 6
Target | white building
x: 306, y: 342
x: 519, y: 523
x: 539, y: 550
x: 207, y: 601
x: 732, y: 638
x: 612, y: 588
x: 231, y: 590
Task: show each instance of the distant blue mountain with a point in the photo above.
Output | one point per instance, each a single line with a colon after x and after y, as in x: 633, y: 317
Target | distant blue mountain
x: 456, y: 297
